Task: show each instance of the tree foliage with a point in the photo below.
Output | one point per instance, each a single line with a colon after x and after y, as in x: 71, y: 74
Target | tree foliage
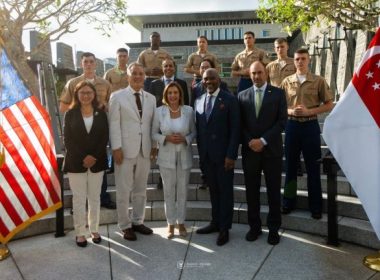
x: 53, y: 18
x: 297, y: 14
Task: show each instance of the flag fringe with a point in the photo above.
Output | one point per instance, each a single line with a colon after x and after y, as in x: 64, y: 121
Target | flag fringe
x: 5, y: 239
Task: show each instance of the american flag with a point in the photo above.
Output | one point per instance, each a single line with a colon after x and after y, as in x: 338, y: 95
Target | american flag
x: 29, y: 185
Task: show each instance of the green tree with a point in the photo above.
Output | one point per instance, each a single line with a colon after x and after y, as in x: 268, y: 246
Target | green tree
x: 296, y: 14
x: 52, y: 18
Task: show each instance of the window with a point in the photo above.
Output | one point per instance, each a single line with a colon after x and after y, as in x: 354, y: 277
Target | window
x: 265, y: 33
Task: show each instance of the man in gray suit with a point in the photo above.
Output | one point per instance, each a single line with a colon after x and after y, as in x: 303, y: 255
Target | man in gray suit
x: 131, y: 112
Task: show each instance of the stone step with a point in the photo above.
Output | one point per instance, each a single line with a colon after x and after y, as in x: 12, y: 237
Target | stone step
x: 350, y: 229
x: 347, y: 206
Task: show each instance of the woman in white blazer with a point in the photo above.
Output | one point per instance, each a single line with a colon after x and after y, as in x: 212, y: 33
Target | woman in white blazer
x: 174, y: 130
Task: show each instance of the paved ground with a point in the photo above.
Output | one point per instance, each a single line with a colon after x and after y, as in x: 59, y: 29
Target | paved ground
x: 298, y: 256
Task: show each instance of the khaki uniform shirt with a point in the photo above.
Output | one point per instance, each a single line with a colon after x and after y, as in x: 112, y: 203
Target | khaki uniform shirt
x: 151, y: 60
x: 117, y: 78
x: 195, y: 59
x: 103, y: 90
x: 311, y: 93
x: 245, y: 58
x: 278, y: 71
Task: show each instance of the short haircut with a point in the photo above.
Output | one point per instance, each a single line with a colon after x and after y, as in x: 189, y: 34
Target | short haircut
x: 134, y: 64
x: 203, y: 37
x: 87, y: 54
x: 212, y: 64
x: 122, y: 50
x: 281, y: 41
x: 166, y: 90
x: 249, y: 33
x: 302, y: 50
x: 155, y: 33
x: 76, y: 103
x: 168, y: 59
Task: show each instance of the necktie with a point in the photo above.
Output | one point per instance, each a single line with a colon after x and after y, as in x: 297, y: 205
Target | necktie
x: 209, y: 106
x: 168, y: 81
x: 258, y: 100
x: 138, y: 103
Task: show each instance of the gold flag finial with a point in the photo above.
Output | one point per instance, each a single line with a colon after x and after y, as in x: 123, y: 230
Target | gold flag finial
x: 372, y: 262
x: 4, y: 252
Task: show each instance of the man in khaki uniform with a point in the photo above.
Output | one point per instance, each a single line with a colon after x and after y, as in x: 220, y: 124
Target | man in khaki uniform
x: 307, y: 95
x: 117, y: 76
x: 103, y: 92
x: 103, y: 88
x: 152, y: 59
x: 195, y: 59
x: 243, y: 60
x: 283, y: 66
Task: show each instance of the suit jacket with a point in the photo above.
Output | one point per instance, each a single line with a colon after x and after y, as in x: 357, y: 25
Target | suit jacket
x: 79, y: 143
x: 198, y: 89
x: 161, y: 128
x: 270, y: 122
x: 128, y: 130
x: 157, y: 89
x: 218, y: 137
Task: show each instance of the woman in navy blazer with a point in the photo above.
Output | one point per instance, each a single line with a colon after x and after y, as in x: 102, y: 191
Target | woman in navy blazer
x: 85, y: 137
x: 174, y: 130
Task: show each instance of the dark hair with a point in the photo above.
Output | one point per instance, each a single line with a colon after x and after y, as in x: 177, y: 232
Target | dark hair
x: 302, y: 50
x: 169, y: 59
x: 249, y: 33
x: 212, y: 64
x: 203, y: 37
x: 122, y: 50
x: 281, y: 40
x: 76, y: 103
x: 155, y: 33
x: 87, y: 54
x: 165, y: 94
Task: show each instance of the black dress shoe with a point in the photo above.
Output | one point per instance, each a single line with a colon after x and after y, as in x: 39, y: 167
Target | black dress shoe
x: 97, y: 240
x: 286, y: 210
x: 81, y: 243
x: 273, y: 238
x: 129, y: 234
x: 142, y: 229
x: 316, y: 215
x: 252, y: 235
x: 210, y: 228
x: 223, y: 238
x: 109, y: 205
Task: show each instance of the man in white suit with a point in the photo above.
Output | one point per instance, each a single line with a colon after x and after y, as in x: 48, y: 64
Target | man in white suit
x: 131, y: 112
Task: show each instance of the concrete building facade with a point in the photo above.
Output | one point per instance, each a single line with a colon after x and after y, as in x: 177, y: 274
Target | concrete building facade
x: 224, y: 31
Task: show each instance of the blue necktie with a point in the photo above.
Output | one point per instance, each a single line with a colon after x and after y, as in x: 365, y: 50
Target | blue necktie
x: 209, y: 106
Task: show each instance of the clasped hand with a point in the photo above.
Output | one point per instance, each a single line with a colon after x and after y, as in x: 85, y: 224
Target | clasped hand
x: 175, y: 138
x: 300, y: 111
x: 256, y: 145
x: 89, y: 161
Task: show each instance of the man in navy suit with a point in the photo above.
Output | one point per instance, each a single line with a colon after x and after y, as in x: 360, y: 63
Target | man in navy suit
x: 263, y: 113
x: 218, y: 129
x: 157, y: 86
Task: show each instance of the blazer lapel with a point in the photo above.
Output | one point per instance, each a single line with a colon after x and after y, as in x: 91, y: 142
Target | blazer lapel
x: 217, y: 104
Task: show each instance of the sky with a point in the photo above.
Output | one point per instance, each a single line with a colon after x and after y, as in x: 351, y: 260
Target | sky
x: 89, y: 39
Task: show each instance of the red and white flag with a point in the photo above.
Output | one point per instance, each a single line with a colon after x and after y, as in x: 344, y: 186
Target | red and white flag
x: 29, y: 185
x: 352, y: 132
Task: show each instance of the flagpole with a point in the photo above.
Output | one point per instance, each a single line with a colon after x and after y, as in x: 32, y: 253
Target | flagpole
x: 4, y: 252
